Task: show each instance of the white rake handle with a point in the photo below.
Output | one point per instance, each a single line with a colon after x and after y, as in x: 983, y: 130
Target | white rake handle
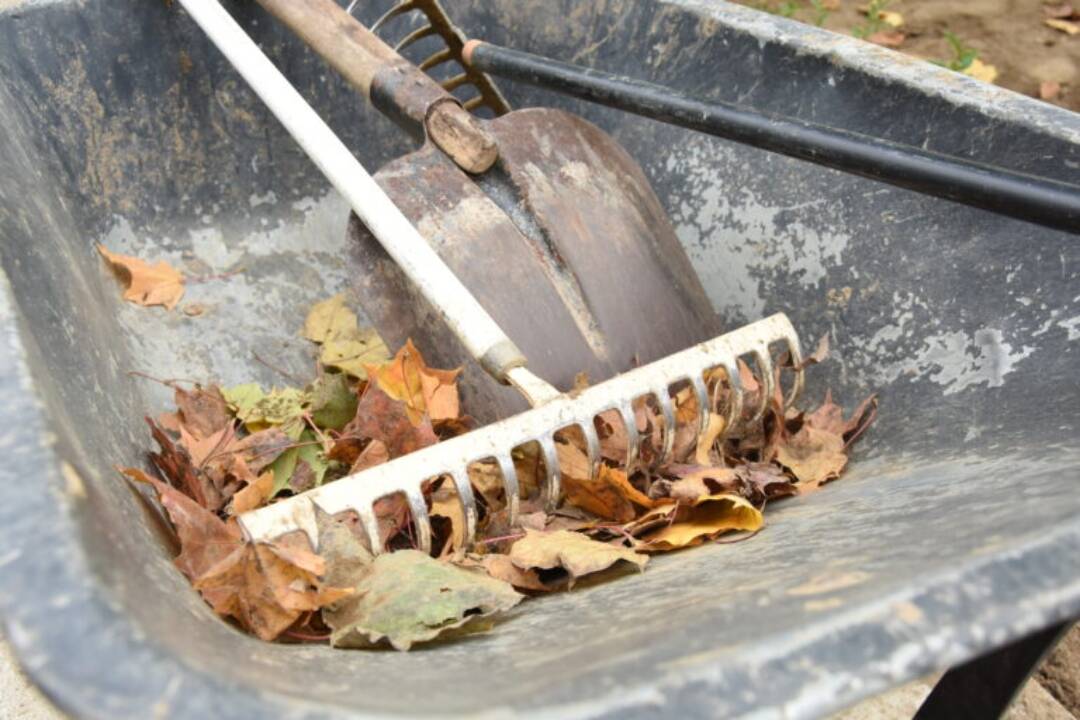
x: 480, y: 334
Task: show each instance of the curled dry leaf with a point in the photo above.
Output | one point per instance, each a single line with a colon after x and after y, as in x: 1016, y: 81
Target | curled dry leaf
x: 146, y: 284
x: 705, y: 518
x: 572, y: 551
x: 407, y: 597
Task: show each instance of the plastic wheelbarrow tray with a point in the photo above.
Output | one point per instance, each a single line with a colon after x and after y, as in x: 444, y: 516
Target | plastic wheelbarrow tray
x: 956, y: 531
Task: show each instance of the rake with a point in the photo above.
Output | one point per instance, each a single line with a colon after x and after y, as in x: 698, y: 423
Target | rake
x: 485, y: 341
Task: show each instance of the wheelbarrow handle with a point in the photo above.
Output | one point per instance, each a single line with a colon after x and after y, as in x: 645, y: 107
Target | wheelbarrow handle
x: 480, y: 334
x: 393, y: 85
x: 1026, y: 197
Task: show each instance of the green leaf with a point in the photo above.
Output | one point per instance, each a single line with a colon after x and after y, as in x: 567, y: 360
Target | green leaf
x: 314, y: 456
x: 333, y: 402
x: 407, y: 597
x: 285, y: 465
x: 243, y: 398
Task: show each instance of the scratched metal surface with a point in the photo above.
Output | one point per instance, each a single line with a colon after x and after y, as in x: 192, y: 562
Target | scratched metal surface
x: 957, y: 530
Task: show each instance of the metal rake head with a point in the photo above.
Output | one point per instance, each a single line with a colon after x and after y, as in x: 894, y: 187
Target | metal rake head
x: 438, y: 24
x: 452, y: 458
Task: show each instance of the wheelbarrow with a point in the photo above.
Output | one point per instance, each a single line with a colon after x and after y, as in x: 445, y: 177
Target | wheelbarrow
x: 954, y: 541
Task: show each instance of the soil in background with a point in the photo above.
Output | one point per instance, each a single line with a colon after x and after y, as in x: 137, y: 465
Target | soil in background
x: 1010, y: 35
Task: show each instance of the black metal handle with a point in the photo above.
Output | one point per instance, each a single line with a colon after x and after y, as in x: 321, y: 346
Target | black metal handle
x: 1027, y: 197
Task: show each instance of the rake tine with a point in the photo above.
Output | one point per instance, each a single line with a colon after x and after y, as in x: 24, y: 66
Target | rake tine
x: 366, y: 511
x: 455, y: 82
x: 468, y: 502
x: 768, y: 384
x: 389, y: 14
x: 414, y: 36
x: 734, y: 411
x: 437, y: 59
x: 551, y: 414
x: 800, y: 374
x: 553, y: 480
x: 592, y: 445
x: 473, y: 103
x: 421, y: 521
x: 663, y: 399
x: 510, y: 484
x: 633, y: 438
x: 702, y: 394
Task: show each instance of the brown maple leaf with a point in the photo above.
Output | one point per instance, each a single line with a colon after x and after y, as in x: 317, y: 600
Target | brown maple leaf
x: 202, y: 411
x: 205, y: 539
x: 381, y: 417
x: 175, y: 464
x: 146, y: 284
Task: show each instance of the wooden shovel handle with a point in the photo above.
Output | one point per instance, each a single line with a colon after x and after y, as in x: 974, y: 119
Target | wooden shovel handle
x: 394, y: 85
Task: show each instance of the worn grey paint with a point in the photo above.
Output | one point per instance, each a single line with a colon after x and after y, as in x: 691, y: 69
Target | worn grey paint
x: 956, y: 531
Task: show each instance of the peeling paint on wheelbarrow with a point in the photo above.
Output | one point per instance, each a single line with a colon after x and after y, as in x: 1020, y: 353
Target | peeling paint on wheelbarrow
x: 957, y: 529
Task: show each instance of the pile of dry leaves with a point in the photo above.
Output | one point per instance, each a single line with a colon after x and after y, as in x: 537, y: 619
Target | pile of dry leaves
x: 228, y: 450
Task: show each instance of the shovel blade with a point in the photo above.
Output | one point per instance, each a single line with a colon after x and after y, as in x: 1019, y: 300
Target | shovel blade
x: 563, y: 242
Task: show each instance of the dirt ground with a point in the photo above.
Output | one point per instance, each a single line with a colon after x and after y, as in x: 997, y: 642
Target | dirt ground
x: 1060, y: 673
x: 1010, y: 35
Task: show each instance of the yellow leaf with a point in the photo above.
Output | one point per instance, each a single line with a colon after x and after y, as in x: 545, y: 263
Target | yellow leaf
x: 1064, y: 26
x: 981, y: 71
x: 892, y: 19
x: 146, y: 284
x: 704, y: 519
x: 329, y: 319
x: 353, y: 352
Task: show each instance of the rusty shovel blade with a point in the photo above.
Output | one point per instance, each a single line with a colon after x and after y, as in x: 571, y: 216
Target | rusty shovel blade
x: 563, y: 242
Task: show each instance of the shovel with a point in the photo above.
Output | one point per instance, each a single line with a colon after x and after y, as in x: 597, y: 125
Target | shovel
x: 550, y: 224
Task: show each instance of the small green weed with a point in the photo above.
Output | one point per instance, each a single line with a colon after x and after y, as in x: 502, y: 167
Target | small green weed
x: 821, y: 13
x: 962, y: 57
